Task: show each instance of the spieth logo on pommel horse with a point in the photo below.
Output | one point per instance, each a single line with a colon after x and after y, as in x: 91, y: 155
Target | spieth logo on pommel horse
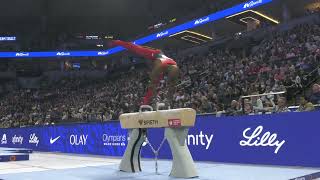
x: 176, y: 123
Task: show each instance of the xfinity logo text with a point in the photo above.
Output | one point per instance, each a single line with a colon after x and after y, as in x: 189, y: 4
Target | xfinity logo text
x: 33, y: 139
x: 251, y: 3
x: 63, y: 54
x: 200, y: 140
x: 22, y: 54
x: 4, y: 139
x: 201, y: 21
x: 17, y: 139
x: 267, y: 139
x: 78, y: 140
x: 114, y: 140
x: 161, y: 34
x: 103, y: 53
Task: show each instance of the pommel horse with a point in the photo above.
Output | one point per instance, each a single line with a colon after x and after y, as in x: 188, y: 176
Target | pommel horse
x: 176, y: 123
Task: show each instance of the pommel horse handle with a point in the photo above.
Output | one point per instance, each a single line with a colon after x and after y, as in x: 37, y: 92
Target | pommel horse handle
x: 145, y: 107
x: 160, y: 105
x: 150, y: 107
x: 176, y: 123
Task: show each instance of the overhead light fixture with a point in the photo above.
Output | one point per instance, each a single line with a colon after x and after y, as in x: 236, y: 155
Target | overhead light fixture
x: 258, y: 13
x: 192, y: 36
x: 187, y: 39
x: 245, y: 20
x: 267, y: 17
x: 192, y: 32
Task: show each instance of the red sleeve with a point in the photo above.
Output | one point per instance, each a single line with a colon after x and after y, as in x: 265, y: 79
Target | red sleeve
x: 139, y: 50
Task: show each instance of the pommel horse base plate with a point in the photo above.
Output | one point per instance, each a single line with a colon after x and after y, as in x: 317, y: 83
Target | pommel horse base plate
x: 176, y: 123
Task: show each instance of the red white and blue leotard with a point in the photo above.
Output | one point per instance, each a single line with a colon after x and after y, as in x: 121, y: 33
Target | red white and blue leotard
x: 151, y: 54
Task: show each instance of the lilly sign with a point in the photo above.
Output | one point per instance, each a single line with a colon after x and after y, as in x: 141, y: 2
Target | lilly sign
x: 165, y: 33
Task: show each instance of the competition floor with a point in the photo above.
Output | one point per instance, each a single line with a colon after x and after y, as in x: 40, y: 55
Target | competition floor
x: 55, y: 166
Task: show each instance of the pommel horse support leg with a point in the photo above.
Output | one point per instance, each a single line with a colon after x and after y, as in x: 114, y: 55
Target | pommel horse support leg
x: 182, y: 164
x: 176, y: 123
x: 131, y: 159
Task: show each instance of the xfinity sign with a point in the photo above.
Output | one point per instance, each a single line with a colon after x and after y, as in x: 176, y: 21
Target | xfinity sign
x: 103, y: 53
x: 17, y: 139
x: 22, y: 54
x: 63, y: 54
x: 200, y: 139
x: 161, y: 34
x: 251, y: 4
x: 202, y: 20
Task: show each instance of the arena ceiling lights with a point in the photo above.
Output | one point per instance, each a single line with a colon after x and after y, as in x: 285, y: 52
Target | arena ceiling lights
x: 243, y: 17
x: 192, y: 37
x: 165, y: 33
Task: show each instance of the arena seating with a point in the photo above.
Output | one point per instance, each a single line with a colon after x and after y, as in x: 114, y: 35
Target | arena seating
x: 284, y: 61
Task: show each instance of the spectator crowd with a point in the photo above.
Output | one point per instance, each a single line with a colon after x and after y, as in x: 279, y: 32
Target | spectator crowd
x: 286, y: 61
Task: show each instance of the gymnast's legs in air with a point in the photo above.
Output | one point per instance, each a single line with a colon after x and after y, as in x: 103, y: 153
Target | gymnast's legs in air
x: 161, y: 64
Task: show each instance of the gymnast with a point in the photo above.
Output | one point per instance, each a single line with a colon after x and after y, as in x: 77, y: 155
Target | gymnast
x: 161, y: 64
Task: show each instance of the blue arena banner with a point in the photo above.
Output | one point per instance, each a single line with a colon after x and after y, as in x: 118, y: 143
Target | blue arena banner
x: 288, y: 139
x: 165, y: 33
x: 103, y: 139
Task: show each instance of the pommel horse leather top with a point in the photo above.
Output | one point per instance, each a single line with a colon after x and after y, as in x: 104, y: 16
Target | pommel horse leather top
x: 184, y: 117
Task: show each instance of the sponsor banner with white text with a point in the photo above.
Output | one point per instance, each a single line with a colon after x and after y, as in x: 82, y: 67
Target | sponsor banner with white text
x: 289, y: 139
